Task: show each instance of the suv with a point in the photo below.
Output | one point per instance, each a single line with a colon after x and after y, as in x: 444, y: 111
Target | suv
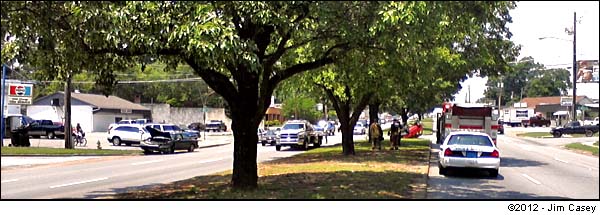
x: 216, y: 126
x: 128, y: 134
x: 298, y: 134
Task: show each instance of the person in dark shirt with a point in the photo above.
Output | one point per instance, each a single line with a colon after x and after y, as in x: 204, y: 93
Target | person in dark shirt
x: 394, y: 134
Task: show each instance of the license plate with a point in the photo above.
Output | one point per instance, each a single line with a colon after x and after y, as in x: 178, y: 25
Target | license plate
x: 471, y: 154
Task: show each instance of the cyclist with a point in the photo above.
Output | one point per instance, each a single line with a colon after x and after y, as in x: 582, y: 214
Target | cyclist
x: 79, y: 133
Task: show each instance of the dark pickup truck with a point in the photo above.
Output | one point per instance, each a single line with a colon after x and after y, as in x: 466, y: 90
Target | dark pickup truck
x: 536, y: 121
x: 45, y: 128
x: 216, y: 126
x: 575, y: 128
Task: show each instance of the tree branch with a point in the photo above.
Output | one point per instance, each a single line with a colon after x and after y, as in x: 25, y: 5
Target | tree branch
x: 217, y: 81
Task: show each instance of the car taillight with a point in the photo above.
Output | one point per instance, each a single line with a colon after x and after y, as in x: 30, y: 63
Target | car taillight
x: 447, y: 152
x: 495, y: 154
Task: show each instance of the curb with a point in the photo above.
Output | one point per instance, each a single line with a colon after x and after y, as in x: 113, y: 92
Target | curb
x: 74, y: 155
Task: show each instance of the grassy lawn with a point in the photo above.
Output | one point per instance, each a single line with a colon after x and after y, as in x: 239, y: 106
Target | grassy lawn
x: 322, y: 173
x: 535, y: 134
x: 59, y: 151
x: 583, y: 135
x: 584, y: 148
x: 427, y: 126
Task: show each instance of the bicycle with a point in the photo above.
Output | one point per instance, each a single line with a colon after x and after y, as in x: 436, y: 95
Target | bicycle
x: 79, y: 141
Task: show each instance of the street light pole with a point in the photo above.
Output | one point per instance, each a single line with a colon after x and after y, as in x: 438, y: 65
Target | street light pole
x: 574, y: 66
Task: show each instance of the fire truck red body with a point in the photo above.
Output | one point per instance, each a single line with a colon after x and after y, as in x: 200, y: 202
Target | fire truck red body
x: 466, y: 117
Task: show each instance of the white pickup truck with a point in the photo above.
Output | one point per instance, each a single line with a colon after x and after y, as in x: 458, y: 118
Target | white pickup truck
x: 591, y: 122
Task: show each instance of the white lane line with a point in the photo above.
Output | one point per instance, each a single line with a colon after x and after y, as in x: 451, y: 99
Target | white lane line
x: 11, y: 180
x: 213, y: 160
x: 79, y: 182
x: 531, y: 179
x: 561, y: 160
x: 147, y: 162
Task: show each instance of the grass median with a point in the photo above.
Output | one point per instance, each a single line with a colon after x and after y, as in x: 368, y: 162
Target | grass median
x: 322, y: 173
x: 62, y: 151
x: 583, y: 148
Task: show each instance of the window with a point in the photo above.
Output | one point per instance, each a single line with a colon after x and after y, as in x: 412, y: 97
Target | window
x: 157, y: 127
x: 467, y: 139
x: 293, y: 126
x: 170, y: 128
x: 118, y: 119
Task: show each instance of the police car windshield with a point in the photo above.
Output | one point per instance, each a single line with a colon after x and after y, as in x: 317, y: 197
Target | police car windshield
x: 293, y: 126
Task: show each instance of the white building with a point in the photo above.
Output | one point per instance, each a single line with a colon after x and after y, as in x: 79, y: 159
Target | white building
x: 93, y: 112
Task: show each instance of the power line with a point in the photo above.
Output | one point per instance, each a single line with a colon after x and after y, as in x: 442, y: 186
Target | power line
x: 131, y: 81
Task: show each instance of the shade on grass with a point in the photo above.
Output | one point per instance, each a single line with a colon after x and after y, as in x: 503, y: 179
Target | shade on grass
x: 322, y: 173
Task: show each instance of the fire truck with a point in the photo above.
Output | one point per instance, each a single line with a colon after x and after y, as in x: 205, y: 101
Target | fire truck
x: 466, y: 117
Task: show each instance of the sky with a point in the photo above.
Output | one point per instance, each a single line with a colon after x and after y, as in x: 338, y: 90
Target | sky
x: 535, y: 19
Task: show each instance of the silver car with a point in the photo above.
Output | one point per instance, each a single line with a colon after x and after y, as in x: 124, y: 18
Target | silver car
x: 465, y: 149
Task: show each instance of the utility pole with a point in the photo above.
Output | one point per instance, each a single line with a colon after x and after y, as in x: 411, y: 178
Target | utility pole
x: 574, y: 66
x: 68, y: 131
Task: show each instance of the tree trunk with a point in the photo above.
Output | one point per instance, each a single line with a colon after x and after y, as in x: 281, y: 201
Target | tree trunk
x: 245, y: 173
x: 67, y: 108
x: 347, y: 138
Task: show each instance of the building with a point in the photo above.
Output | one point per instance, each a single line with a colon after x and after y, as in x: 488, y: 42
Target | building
x: 551, y: 108
x: 93, y: 112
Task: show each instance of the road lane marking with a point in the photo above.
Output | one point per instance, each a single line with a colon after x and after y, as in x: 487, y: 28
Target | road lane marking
x: 213, y: 160
x: 11, y: 180
x: 79, y: 182
x: 147, y: 162
x: 561, y: 160
x: 531, y: 179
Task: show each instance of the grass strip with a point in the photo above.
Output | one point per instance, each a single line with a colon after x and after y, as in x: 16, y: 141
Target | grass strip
x: 582, y: 147
x: 322, y: 173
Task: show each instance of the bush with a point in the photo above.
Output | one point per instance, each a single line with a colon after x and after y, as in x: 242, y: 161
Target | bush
x: 272, y: 123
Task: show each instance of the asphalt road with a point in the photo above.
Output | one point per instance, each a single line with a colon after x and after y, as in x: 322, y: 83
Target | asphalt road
x: 93, y: 178
x: 529, y: 169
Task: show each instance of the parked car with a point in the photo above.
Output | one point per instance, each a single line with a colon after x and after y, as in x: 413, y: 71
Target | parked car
x: 325, y: 128
x: 45, y: 128
x: 467, y: 149
x: 216, y: 126
x: 167, y: 142
x: 575, y: 128
x: 359, y: 128
x: 171, y: 128
x: 122, y: 122
x: 197, y: 126
x: 268, y: 137
x: 128, y: 134
x: 536, y: 121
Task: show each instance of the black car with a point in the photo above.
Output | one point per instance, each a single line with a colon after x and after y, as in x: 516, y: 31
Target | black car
x: 166, y: 142
x: 198, y: 126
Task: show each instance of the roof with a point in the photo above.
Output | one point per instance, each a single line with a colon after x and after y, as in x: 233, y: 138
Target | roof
x: 273, y: 110
x: 103, y: 102
x: 532, y: 102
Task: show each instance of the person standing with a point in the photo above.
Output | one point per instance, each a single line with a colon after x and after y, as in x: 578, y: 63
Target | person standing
x: 375, y: 134
x: 394, y: 134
